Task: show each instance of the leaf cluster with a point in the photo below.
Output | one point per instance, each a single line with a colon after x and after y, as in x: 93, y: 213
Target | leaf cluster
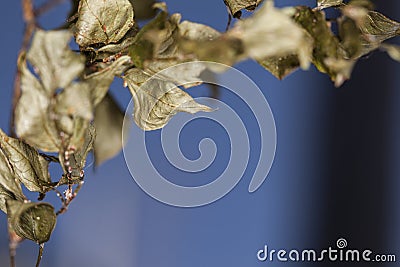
x: 65, y: 110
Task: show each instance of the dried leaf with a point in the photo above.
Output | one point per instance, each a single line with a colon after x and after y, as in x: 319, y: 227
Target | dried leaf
x: 103, y: 23
x: 157, y: 46
x: 271, y: 32
x: 342, y: 69
x: 355, y: 11
x: 53, y: 120
x: 78, y: 101
x: 185, y: 75
x: 328, y: 55
x: 280, y: 67
x: 198, y: 41
x: 79, y: 133
x: 350, y: 38
x: 191, y: 37
x: 32, y: 122
x: 99, y: 82
x: 374, y: 26
x: 392, y: 50
x: 369, y: 5
x: 156, y: 101
x: 75, y: 101
x: 226, y: 50
x: 56, y: 64
x: 108, y: 122
x: 143, y: 9
x: 170, y: 53
x: 110, y: 51
x: 79, y: 157
x: 377, y: 28
x: 10, y: 187
x: 33, y: 221
x: 328, y: 3
x: 5, y: 195
x: 235, y: 6
x: 155, y: 38
x: 196, y: 31
x: 30, y: 167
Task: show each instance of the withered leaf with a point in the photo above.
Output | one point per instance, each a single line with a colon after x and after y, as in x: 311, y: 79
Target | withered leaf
x: 143, y: 9
x: 99, y: 82
x: 280, y: 67
x: 392, y: 50
x: 33, y: 221
x: 156, y: 101
x: 196, y: 31
x: 75, y: 101
x: 77, y: 157
x: 10, y: 187
x: 80, y: 98
x: 374, y: 26
x: 56, y: 64
x: 109, y: 119
x: 328, y: 54
x: 377, y: 28
x: 271, y: 32
x: 155, y: 38
x: 235, y: 6
x: 103, y: 23
x: 158, y: 46
x: 328, y: 3
x: 350, y: 38
x: 32, y: 122
x: 28, y: 165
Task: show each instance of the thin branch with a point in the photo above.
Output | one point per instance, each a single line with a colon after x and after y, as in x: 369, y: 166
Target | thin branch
x: 30, y: 25
x: 13, y: 244
x: 50, y: 158
x: 40, y: 254
x: 12, y: 256
x: 228, y: 24
x: 70, y: 195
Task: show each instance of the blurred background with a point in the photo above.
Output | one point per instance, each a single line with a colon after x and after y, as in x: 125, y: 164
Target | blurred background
x: 335, y: 175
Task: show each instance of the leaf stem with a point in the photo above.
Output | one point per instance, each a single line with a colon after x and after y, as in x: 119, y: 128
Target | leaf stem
x: 70, y: 195
x: 40, y: 254
x: 14, y: 240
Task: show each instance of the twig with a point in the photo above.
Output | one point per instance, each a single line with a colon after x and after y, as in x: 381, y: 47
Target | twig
x: 30, y: 25
x: 50, y: 158
x: 47, y: 7
x: 13, y: 251
x: 228, y: 24
x: 13, y: 244
x: 40, y: 254
x: 59, y: 195
x: 12, y: 256
x: 70, y: 194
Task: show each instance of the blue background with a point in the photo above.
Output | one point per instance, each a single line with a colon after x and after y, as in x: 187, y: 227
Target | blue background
x: 335, y: 172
